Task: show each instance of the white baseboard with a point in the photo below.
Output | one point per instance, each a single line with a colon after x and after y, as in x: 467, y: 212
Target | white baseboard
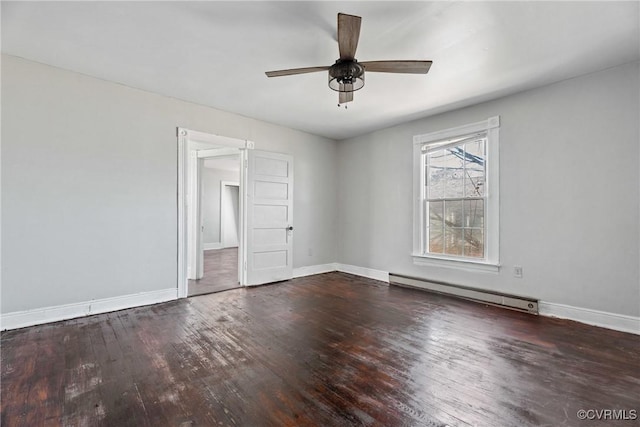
x: 618, y: 322
x: 21, y: 319
x: 210, y: 246
x: 370, y: 273
x: 310, y: 270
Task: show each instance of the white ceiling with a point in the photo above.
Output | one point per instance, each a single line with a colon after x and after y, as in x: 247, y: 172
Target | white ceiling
x: 216, y: 53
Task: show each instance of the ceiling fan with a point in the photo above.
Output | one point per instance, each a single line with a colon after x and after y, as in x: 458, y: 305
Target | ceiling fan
x: 347, y: 74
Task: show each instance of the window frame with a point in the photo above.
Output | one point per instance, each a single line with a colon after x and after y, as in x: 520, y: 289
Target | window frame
x: 490, y: 262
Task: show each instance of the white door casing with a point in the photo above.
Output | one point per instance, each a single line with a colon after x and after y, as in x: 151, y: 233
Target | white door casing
x: 188, y: 141
x: 269, y: 219
x: 194, y: 225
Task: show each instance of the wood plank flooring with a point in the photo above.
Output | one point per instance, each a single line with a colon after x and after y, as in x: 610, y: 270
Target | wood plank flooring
x: 220, y: 272
x: 324, y: 350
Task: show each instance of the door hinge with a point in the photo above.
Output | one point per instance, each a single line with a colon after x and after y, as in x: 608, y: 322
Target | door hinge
x: 245, y: 265
x: 246, y: 163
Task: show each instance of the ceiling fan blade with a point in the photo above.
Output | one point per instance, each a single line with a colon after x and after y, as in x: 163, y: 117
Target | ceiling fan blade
x: 346, y: 93
x: 293, y: 71
x: 408, y: 67
x: 348, y: 35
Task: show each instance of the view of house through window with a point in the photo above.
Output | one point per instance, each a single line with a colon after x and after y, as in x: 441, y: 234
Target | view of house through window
x: 454, y: 203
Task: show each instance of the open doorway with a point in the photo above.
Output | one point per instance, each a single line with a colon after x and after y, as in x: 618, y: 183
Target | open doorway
x: 265, y: 205
x: 219, y: 193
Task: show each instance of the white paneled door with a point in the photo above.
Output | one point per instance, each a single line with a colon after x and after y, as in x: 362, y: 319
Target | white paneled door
x: 269, y: 217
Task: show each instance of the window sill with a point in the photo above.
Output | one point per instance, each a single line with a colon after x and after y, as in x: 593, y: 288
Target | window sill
x: 457, y: 264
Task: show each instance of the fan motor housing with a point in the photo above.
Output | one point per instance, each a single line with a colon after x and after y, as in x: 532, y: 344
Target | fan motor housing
x: 346, y: 76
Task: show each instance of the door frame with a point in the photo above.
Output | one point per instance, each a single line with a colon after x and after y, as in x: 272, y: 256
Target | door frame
x: 190, y: 141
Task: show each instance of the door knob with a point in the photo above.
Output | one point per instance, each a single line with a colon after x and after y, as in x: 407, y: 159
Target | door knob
x: 290, y: 228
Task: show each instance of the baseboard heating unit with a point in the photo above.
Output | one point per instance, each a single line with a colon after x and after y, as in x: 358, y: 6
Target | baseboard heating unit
x: 513, y: 302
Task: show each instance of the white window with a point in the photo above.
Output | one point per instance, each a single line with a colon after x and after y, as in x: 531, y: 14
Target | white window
x: 456, y: 196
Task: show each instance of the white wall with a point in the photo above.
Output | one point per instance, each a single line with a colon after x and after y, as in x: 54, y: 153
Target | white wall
x: 89, y: 184
x: 89, y: 189
x: 211, y: 202
x: 569, y: 187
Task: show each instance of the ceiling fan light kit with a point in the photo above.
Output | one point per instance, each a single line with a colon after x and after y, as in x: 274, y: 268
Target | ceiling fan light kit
x: 347, y: 74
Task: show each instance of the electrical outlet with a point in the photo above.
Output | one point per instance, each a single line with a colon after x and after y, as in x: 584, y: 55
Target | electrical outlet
x: 517, y: 272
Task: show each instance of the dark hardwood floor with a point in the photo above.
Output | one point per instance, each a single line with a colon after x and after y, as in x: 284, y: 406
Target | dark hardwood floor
x: 220, y: 272
x: 325, y: 350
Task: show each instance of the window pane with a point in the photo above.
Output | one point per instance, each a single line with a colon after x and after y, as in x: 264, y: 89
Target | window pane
x: 475, y: 148
x: 474, y: 242
x: 453, y: 242
x: 435, y: 179
x: 473, y: 213
x: 453, y: 159
x: 453, y: 213
x: 474, y: 181
x: 436, y: 227
x: 474, y: 168
x: 454, y: 188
